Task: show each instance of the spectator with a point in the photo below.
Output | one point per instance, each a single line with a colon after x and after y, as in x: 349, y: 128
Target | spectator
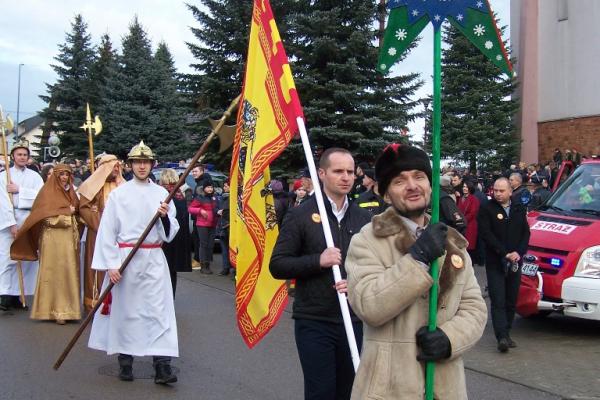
x: 47, y: 171
x: 450, y: 214
x: 280, y: 199
x: 557, y: 156
x: 307, y: 182
x: 504, y: 229
x: 204, y: 208
x: 520, y: 194
x: 300, y: 192
x: 177, y: 251
x: 371, y: 200
x: 223, y: 228
x: 469, y: 206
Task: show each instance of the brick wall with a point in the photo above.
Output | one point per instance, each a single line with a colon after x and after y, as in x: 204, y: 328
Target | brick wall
x: 580, y: 133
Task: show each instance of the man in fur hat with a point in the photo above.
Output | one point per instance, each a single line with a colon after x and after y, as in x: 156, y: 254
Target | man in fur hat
x: 24, y: 186
x: 94, y: 193
x: 388, y: 288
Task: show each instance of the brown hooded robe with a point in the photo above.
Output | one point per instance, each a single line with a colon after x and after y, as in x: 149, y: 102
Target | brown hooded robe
x: 51, y: 231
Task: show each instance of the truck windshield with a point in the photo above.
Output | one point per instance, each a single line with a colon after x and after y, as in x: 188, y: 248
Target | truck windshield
x: 580, y: 194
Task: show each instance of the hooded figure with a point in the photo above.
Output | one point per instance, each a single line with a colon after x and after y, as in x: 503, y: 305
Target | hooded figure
x: 51, y: 233
x: 94, y: 193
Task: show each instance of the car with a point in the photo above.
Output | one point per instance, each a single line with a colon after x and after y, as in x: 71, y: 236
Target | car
x: 189, y: 186
x: 561, y: 269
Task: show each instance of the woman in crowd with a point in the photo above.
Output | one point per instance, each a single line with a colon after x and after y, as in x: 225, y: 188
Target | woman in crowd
x: 205, y: 207
x: 46, y: 171
x: 52, y: 229
x: 178, y: 250
x: 469, y: 205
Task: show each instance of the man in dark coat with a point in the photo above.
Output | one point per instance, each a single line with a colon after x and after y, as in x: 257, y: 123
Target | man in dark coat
x: 520, y: 194
x: 371, y: 200
x: 301, y: 253
x: 505, y: 232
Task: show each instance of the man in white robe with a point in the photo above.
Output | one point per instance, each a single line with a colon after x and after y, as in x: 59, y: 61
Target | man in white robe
x: 139, y: 318
x: 24, y: 186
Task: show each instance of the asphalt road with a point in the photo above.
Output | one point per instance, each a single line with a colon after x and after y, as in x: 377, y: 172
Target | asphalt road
x: 557, y: 358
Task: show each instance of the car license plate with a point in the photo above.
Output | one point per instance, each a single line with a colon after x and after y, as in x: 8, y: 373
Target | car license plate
x: 529, y: 269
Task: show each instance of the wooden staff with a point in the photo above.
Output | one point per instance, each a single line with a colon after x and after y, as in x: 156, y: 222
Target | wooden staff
x: 10, y: 198
x: 200, y: 153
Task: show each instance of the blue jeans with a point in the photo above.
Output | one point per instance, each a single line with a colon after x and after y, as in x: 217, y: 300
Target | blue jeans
x: 325, y: 358
x: 224, y: 242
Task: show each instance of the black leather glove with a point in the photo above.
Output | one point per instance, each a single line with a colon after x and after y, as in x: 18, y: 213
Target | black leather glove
x: 434, y: 345
x: 431, y: 244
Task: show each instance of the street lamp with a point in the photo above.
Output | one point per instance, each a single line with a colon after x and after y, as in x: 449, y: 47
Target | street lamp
x: 18, y: 101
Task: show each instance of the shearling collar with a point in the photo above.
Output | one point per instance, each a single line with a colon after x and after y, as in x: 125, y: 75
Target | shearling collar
x: 389, y: 223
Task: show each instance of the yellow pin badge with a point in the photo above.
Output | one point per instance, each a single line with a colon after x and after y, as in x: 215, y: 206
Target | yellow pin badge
x: 500, y: 216
x: 316, y: 218
x: 457, y: 261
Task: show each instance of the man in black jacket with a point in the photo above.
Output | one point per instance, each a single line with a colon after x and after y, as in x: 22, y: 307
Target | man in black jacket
x: 301, y: 253
x: 505, y: 232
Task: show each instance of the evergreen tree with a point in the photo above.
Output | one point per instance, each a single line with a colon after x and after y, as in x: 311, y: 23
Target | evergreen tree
x: 174, y: 143
x: 67, y: 97
x: 346, y: 102
x: 332, y: 52
x: 477, y: 109
x: 136, y: 96
x: 220, y: 51
x: 102, y: 67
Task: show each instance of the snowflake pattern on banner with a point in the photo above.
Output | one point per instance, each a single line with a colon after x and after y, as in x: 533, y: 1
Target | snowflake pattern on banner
x: 438, y: 10
x: 473, y: 18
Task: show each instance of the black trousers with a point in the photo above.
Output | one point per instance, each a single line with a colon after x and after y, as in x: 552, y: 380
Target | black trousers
x: 504, y: 290
x: 125, y: 360
x: 325, y: 358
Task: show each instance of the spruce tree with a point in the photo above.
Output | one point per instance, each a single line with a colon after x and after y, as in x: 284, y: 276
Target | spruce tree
x: 132, y: 96
x: 477, y: 109
x: 100, y: 70
x: 174, y: 143
x: 220, y: 51
x: 346, y: 102
x: 67, y: 97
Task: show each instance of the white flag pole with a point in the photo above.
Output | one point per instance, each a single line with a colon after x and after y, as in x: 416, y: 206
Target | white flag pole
x: 337, y: 276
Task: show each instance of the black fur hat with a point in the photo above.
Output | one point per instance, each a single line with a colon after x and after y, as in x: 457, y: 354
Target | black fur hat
x: 396, y: 158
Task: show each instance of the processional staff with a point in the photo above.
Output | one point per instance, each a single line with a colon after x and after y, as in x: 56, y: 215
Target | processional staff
x: 93, y: 128
x: 7, y: 124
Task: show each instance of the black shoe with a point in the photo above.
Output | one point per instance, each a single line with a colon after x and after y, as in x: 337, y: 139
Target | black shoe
x: 511, y: 343
x: 224, y: 273
x: 164, y: 374
x: 126, y: 373
x: 503, y: 345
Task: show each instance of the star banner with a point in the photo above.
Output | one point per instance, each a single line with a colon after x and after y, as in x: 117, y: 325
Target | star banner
x: 474, y: 18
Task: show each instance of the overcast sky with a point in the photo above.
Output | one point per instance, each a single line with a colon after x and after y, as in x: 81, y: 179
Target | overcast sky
x: 32, y: 30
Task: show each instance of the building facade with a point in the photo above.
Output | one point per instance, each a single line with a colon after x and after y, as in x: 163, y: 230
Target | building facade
x: 556, y: 46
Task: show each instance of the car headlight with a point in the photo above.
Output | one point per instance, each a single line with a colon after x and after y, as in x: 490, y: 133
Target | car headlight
x: 589, y: 263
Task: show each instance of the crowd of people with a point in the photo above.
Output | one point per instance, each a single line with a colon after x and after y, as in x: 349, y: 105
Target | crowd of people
x: 384, y: 244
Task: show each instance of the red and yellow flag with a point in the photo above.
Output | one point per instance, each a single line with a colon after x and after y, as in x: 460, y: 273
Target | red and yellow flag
x: 266, y: 124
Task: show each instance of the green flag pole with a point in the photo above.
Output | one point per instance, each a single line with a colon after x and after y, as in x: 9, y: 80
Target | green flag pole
x: 435, y: 197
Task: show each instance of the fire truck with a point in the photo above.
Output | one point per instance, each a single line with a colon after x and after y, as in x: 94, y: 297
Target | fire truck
x: 561, y: 270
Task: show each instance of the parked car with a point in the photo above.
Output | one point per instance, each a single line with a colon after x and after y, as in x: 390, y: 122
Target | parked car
x: 190, y: 184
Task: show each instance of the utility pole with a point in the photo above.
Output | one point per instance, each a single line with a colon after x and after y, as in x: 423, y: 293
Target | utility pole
x: 18, y: 101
